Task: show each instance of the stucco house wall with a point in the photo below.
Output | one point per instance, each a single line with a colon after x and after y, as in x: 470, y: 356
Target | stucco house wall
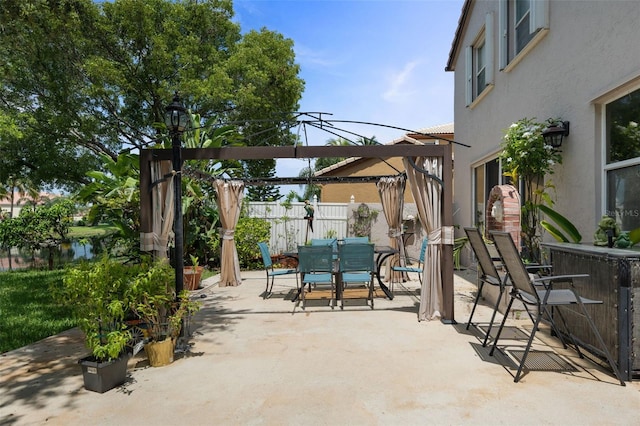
x: 588, y: 56
x: 365, y: 192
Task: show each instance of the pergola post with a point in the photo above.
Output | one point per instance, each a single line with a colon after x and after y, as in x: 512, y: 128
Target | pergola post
x: 447, y: 249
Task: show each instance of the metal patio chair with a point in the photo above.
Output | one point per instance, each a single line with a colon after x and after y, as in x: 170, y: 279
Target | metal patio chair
x: 357, y: 266
x: 407, y: 264
x: 272, y: 273
x: 543, y: 298
x: 356, y: 240
x: 333, y: 242
x: 487, y: 274
x: 316, y: 266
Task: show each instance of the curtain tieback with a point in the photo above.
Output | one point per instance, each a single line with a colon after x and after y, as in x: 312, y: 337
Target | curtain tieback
x: 395, y: 232
x: 227, y: 234
x: 146, y: 241
x: 443, y: 235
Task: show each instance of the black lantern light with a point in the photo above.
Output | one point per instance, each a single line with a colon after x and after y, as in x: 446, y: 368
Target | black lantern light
x: 176, y: 120
x: 555, y: 132
x: 175, y: 116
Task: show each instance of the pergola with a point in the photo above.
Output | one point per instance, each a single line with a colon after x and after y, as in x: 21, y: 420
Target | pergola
x: 149, y: 157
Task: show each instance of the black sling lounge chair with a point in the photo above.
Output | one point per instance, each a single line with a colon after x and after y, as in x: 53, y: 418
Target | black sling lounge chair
x: 487, y: 274
x: 543, y: 298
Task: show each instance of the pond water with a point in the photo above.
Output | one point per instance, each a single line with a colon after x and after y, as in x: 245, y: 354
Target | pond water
x: 66, y: 252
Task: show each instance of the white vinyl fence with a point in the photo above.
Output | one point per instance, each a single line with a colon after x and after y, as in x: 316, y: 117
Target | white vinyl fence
x: 289, y: 228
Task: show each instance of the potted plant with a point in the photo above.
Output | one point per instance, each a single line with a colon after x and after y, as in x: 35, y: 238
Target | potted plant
x: 193, y: 274
x: 97, y: 294
x: 153, y: 300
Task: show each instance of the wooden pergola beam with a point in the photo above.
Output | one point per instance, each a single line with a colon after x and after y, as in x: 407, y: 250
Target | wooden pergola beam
x: 266, y: 152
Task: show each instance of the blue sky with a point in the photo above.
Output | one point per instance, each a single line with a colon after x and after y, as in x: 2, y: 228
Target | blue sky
x: 376, y: 61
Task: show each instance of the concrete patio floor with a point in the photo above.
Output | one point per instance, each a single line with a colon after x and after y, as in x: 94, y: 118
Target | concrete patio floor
x: 267, y: 362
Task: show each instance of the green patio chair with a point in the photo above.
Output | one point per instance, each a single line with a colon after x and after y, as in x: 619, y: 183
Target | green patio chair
x: 316, y: 267
x: 272, y: 273
x: 356, y: 240
x: 411, y: 265
x: 356, y: 267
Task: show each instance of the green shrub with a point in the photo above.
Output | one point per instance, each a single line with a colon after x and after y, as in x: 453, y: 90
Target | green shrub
x: 249, y: 232
x: 97, y: 294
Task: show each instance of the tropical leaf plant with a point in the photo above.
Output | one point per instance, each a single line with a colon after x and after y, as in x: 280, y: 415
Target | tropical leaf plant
x: 563, y: 230
x: 634, y: 236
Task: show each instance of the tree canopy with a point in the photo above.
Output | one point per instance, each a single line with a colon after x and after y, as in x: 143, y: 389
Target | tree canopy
x: 81, y: 79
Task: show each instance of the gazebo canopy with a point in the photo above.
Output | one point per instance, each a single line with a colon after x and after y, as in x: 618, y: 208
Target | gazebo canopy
x: 442, y: 152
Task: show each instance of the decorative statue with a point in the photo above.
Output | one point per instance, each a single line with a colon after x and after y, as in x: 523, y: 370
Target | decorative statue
x: 607, y: 233
x: 623, y: 240
x: 308, y: 208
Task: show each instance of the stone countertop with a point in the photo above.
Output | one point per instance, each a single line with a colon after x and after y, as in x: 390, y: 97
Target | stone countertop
x: 591, y: 249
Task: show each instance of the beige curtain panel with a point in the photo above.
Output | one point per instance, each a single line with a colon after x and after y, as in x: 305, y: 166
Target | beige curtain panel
x: 427, y: 193
x: 229, y: 201
x: 162, y: 214
x: 391, y: 190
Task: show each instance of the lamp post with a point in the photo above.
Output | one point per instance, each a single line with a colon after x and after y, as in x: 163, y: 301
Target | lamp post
x: 176, y: 120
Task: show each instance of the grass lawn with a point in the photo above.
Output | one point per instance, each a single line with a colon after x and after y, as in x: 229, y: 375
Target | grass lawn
x: 77, y: 232
x: 28, y: 311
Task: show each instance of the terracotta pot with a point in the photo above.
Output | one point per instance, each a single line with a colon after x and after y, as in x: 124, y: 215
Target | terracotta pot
x: 160, y: 353
x: 192, y: 277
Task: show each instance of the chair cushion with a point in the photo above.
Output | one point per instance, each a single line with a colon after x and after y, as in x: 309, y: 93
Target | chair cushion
x: 281, y: 272
x: 407, y: 269
x: 317, y: 278
x: 351, y: 277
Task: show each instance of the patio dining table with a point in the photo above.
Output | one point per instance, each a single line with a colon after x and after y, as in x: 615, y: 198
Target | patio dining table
x: 382, y: 254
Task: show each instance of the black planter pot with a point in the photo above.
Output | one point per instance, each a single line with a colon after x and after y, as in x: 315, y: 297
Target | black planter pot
x: 103, y: 376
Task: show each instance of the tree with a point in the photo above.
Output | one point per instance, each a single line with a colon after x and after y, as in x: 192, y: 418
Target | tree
x: 310, y: 189
x: 82, y: 79
x: 322, y: 163
x: 43, y: 227
x: 261, y: 168
x: 367, y: 141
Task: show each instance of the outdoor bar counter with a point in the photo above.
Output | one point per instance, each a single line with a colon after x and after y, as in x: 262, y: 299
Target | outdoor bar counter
x: 614, y: 278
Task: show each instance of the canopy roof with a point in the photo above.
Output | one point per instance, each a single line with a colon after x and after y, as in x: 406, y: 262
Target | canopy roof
x: 410, y: 151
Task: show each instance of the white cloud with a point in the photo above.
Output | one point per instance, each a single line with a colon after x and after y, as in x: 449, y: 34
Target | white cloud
x: 399, y: 85
x: 308, y: 57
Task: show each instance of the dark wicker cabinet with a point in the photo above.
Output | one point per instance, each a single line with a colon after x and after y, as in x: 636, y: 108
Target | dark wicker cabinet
x: 614, y: 278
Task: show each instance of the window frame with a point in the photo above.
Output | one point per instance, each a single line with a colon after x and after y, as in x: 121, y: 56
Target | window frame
x: 501, y: 180
x: 479, y: 67
x: 482, y: 46
x: 510, y: 54
x: 614, y: 166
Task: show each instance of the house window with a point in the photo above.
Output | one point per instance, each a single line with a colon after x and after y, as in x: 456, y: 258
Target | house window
x: 622, y: 171
x: 520, y: 23
x: 485, y: 177
x: 479, y: 62
x: 479, y: 68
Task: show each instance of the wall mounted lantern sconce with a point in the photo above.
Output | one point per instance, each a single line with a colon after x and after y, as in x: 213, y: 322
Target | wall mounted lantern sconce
x: 555, y: 132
